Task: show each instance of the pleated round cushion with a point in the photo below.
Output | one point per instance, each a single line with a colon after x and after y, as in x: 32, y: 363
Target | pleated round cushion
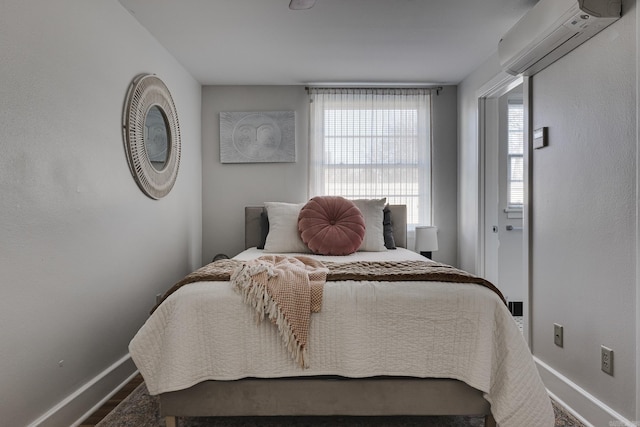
x: 331, y: 225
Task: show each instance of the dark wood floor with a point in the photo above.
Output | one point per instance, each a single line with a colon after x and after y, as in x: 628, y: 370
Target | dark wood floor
x: 102, y: 412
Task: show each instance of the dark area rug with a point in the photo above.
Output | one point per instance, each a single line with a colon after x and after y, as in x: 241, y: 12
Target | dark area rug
x: 141, y: 410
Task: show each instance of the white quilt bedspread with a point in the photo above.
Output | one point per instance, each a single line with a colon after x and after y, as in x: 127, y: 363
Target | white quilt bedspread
x: 422, y: 329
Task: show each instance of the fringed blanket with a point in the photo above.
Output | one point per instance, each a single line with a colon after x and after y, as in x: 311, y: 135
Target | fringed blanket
x: 286, y: 290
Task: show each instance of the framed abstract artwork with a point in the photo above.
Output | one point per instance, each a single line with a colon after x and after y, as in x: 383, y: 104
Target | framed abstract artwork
x: 257, y: 137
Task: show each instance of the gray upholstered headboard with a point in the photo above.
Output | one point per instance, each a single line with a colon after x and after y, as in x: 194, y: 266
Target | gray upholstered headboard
x: 252, y: 225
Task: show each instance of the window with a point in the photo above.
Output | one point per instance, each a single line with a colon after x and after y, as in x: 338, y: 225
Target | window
x: 515, y: 165
x: 373, y: 143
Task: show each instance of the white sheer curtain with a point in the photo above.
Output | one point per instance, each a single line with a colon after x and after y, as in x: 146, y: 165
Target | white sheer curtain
x: 372, y: 143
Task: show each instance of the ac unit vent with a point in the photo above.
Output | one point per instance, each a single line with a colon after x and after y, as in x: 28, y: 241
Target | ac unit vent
x: 551, y: 29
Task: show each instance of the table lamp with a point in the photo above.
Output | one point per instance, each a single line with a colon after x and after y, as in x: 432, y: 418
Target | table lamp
x: 426, y: 240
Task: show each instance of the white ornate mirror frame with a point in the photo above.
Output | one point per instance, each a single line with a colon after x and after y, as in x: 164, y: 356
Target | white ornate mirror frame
x: 155, y: 176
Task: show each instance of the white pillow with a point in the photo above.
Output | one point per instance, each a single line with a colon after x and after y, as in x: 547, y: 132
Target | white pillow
x: 283, y: 228
x: 372, y: 211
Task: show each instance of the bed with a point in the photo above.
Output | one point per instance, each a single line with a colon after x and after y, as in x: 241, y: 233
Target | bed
x: 375, y: 348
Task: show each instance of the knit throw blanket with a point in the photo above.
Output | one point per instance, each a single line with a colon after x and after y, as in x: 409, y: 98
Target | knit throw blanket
x: 286, y: 290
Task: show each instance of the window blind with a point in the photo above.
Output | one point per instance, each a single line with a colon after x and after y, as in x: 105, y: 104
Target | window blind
x: 373, y: 143
x: 515, y: 166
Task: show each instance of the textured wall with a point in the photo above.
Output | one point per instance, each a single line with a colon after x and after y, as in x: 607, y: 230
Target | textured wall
x: 584, y: 213
x: 82, y: 250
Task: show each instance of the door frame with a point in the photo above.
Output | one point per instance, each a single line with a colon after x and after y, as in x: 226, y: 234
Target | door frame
x: 496, y: 87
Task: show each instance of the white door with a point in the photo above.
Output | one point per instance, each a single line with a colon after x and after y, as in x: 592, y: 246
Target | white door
x: 504, y: 193
x: 510, y: 199
x: 491, y: 195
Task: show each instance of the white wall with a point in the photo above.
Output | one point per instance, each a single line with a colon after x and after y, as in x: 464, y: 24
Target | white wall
x: 584, y: 217
x: 80, y: 243
x: 227, y: 188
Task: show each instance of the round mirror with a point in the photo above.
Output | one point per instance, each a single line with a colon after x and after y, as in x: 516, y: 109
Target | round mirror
x: 156, y: 137
x: 151, y: 135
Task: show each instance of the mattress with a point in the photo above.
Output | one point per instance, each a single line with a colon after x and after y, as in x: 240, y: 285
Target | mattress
x: 204, y: 331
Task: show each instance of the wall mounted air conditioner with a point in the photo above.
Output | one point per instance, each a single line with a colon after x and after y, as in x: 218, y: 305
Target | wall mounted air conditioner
x: 550, y: 30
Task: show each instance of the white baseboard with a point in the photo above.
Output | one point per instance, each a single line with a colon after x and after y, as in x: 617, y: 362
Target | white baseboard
x: 591, y: 411
x: 76, y: 407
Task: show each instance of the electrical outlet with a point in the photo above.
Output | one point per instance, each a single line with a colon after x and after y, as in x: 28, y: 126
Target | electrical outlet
x: 606, y: 360
x: 558, y: 334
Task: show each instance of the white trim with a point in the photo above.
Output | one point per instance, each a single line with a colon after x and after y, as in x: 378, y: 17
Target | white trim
x: 105, y: 399
x: 496, y: 87
x: 580, y: 403
x: 76, y: 407
x: 527, y: 230
x: 637, y: 215
x: 482, y: 117
x: 569, y: 409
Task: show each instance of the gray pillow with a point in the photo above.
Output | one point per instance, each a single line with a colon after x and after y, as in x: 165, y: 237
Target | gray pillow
x: 264, y: 228
x: 387, y: 230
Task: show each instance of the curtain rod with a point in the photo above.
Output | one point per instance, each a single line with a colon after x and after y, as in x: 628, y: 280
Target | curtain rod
x: 436, y: 88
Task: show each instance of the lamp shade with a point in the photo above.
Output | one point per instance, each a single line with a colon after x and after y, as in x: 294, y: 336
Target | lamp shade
x: 426, y: 239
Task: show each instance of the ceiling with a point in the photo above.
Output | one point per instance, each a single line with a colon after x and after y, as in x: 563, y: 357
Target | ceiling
x: 263, y: 42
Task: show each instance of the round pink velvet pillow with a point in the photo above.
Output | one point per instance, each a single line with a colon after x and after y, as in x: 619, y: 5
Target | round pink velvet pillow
x: 331, y: 225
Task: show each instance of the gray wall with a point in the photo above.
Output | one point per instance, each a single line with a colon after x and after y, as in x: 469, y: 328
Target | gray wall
x: 227, y: 188
x: 444, y: 176
x: 584, y: 218
x: 584, y: 213
x: 468, y: 153
x: 83, y: 251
